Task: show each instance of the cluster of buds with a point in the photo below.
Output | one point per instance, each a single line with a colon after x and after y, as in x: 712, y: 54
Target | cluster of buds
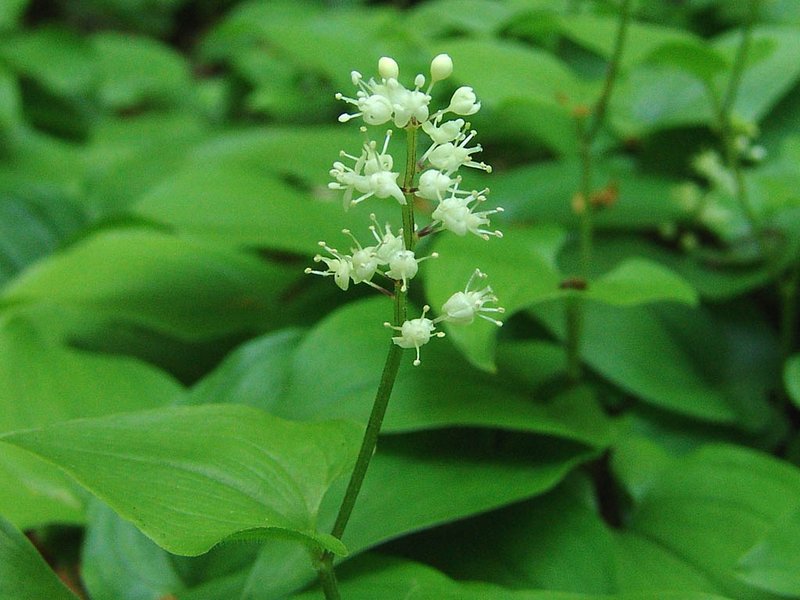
x: 370, y: 174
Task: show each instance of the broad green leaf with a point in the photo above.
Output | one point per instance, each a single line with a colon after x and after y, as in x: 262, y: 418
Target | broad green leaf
x: 599, y: 33
x: 773, y: 563
x: 697, y: 366
x: 521, y: 271
x: 188, y: 288
x: 380, y: 576
x: 42, y: 382
x: 518, y: 71
x: 791, y: 378
x: 190, y: 477
x: 119, y: 563
x: 121, y: 150
x: 691, y: 56
x: 23, y: 573
x: 137, y: 70
x: 34, y: 492
x: 639, y: 281
x: 10, y: 101
x: 57, y: 59
x: 417, y: 481
x: 442, y: 17
x: 712, y: 506
x: 336, y: 370
x: 33, y: 228
x: 522, y: 120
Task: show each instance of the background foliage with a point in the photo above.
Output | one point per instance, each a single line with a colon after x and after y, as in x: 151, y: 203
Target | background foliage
x: 169, y: 378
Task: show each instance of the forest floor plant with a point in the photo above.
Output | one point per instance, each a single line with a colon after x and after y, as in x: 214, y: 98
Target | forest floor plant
x: 430, y: 177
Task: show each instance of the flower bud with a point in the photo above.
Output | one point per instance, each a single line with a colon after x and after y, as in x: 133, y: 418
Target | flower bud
x: 464, y: 101
x: 441, y: 67
x: 388, y: 68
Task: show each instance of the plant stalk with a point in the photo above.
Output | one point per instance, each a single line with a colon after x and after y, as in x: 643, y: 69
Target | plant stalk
x: 586, y: 137
x: 325, y: 569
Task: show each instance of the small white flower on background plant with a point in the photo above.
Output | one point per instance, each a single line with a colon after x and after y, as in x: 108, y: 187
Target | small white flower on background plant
x: 457, y: 214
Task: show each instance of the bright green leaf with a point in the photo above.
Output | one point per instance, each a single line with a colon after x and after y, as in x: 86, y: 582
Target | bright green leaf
x: 185, y: 287
x: 791, y: 378
x: 23, y: 573
x: 640, y: 281
x: 773, y: 563
x: 691, y: 56
x: 190, y: 477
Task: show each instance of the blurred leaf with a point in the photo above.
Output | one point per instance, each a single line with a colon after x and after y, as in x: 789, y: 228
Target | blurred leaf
x: 10, y: 102
x: 640, y: 281
x: 767, y: 79
x: 23, y: 573
x: 443, y: 18
x: 189, y: 477
x: 773, y: 563
x: 31, y: 229
x: 34, y: 492
x: 119, y: 563
x: 10, y: 13
x: 57, y: 59
x: 42, y: 382
x: 185, y: 287
x: 791, y: 378
x: 137, y: 70
x: 691, y: 56
x: 518, y: 71
x: 599, y: 33
x: 703, y: 365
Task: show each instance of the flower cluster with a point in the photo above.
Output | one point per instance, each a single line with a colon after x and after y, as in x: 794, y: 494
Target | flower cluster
x: 370, y: 174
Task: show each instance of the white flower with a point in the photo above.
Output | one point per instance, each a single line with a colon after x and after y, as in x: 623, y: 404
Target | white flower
x: 403, y: 266
x: 449, y: 157
x: 415, y: 333
x: 446, y: 132
x: 388, y: 243
x: 462, y: 307
x: 371, y: 175
x: 364, y: 260
x: 464, y: 102
x: 387, y: 67
x: 455, y: 214
x: 340, y: 266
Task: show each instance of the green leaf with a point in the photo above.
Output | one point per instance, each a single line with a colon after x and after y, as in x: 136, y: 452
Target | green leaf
x: 773, y: 563
x: 185, y: 287
x: 639, y: 281
x: 10, y: 102
x: 33, y: 228
x: 135, y: 70
x: 691, y: 56
x: 768, y: 78
x: 521, y: 270
x: 697, y: 367
x: 537, y: 74
x: 714, y: 505
x: 10, y: 13
x: 42, y: 382
x: 34, y: 492
x: 417, y: 481
x: 791, y: 378
x: 379, y: 576
x: 119, y: 563
x: 23, y: 573
x: 599, y: 34
x: 57, y: 59
x: 190, y: 477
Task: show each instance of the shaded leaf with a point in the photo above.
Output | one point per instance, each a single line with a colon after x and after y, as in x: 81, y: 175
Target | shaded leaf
x: 23, y: 573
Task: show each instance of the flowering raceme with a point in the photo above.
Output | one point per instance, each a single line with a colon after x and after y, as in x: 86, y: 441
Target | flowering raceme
x: 370, y: 175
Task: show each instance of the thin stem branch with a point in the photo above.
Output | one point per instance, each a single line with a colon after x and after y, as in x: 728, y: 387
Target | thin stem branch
x: 725, y: 116
x: 325, y: 569
x: 586, y: 137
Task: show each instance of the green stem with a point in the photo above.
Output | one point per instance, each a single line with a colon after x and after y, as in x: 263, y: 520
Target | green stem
x: 325, y: 568
x: 725, y: 117
x: 586, y: 137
